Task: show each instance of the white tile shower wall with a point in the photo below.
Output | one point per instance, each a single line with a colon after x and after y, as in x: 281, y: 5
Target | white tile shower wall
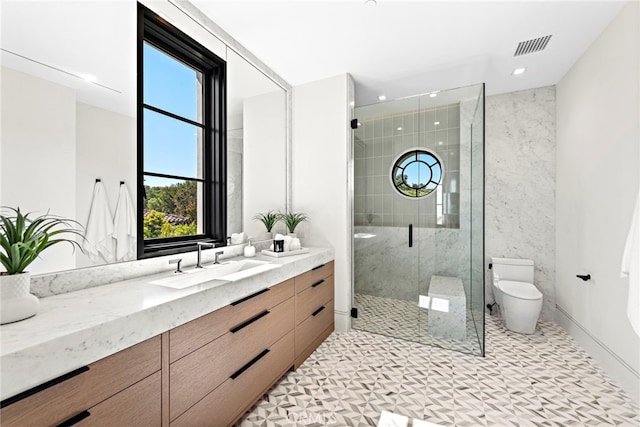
x: 384, y: 265
x: 379, y: 140
x: 520, y: 185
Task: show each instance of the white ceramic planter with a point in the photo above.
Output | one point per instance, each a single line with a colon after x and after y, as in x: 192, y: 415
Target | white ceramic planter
x: 16, y: 303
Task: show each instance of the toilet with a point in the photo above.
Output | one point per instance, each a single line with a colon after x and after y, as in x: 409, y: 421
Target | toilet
x: 519, y: 300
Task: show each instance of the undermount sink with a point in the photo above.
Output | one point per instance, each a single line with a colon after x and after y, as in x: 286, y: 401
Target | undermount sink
x: 229, y: 271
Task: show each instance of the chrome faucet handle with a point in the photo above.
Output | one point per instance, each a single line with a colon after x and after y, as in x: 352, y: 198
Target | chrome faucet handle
x: 200, y: 246
x: 176, y: 261
x: 217, y: 259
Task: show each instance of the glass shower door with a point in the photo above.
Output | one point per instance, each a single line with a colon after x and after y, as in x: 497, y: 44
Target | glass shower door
x: 385, y: 256
x: 418, y: 219
x: 450, y: 285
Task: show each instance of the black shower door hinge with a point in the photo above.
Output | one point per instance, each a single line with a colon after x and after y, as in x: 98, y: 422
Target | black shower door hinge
x: 354, y: 312
x: 354, y: 124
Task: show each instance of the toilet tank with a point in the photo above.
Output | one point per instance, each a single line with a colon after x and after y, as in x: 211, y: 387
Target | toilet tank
x: 519, y: 270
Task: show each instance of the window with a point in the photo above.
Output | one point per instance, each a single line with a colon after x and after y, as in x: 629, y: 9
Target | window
x: 416, y: 173
x: 181, y: 140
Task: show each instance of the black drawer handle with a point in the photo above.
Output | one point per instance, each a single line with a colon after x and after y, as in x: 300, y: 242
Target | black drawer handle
x: 318, y: 267
x: 240, y: 371
x: 37, y: 389
x: 75, y: 419
x: 315, y: 313
x: 248, y: 322
x: 248, y: 297
x: 318, y: 283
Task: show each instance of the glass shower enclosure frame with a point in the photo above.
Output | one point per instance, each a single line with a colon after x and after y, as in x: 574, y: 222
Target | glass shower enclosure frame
x: 419, y: 218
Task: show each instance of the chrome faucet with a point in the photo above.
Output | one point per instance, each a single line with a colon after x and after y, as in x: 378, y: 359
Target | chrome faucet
x: 216, y: 260
x: 200, y: 246
x: 176, y: 261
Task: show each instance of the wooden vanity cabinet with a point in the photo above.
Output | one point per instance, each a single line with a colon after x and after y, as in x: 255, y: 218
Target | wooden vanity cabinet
x: 75, y: 395
x: 207, y: 372
x: 314, y: 310
x: 253, y: 326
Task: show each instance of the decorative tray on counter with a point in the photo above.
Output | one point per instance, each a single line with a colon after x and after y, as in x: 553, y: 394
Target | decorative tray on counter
x: 267, y: 252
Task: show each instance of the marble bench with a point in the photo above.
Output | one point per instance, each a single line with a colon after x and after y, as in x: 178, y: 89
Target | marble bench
x: 448, y: 308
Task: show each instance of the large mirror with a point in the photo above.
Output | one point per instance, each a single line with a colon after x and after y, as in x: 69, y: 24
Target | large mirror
x: 68, y: 115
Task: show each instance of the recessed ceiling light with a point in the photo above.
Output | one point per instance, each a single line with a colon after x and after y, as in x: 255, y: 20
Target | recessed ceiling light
x: 518, y: 71
x: 399, y: 128
x: 88, y: 77
x: 436, y: 123
x: 381, y: 97
x: 433, y: 95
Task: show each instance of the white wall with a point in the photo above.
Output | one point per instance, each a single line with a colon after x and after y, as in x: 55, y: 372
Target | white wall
x: 106, y: 148
x: 38, y: 143
x: 321, y: 159
x: 520, y: 185
x: 598, y: 138
x: 265, y: 158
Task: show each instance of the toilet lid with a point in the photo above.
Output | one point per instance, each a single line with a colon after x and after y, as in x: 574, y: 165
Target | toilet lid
x: 520, y: 290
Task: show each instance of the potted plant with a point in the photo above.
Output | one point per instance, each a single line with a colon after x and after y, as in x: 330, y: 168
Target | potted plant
x: 292, y: 220
x: 269, y: 219
x: 22, y: 240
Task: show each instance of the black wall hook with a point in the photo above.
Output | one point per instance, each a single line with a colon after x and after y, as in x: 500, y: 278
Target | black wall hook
x: 584, y: 277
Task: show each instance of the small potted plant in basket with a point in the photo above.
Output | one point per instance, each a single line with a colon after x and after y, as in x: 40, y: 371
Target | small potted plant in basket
x: 22, y: 240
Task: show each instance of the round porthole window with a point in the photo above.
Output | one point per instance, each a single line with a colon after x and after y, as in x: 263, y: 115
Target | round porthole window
x: 416, y: 173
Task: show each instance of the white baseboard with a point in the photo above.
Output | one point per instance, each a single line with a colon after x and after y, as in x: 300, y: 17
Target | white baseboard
x: 342, y: 321
x: 616, y: 368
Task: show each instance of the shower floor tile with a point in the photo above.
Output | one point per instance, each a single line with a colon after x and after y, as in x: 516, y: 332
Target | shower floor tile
x: 544, y: 379
x: 404, y: 319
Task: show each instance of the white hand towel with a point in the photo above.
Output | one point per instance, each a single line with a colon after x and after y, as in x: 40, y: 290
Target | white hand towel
x: 630, y: 268
x: 238, y: 238
x: 287, y: 243
x: 99, y: 237
x: 124, y: 225
x: 295, y: 244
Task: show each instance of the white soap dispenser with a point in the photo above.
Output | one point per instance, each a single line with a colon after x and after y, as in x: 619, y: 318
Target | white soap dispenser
x: 249, y: 250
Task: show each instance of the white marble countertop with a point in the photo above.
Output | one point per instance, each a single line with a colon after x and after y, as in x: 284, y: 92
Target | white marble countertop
x: 78, y: 328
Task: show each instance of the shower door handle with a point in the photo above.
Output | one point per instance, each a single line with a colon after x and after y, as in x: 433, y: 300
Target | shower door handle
x: 410, y: 235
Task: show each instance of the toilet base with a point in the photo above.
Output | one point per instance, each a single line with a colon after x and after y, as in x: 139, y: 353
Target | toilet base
x: 520, y: 315
x: 520, y: 327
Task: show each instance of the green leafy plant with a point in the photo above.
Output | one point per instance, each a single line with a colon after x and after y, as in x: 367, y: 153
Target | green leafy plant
x: 292, y: 220
x: 269, y: 219
x: 23, y: 239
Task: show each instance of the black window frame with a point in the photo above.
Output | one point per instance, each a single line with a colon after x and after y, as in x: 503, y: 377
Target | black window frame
x: 416, y: 152
x: 162, y: 35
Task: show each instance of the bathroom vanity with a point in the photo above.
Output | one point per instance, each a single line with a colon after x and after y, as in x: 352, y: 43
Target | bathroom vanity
x: 200, y: 356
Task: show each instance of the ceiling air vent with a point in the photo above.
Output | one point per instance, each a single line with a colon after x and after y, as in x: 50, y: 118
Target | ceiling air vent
x: 532, y: 46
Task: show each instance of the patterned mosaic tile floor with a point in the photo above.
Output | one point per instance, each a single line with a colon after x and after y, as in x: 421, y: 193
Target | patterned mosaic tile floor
x: 404, y: 319
x: 544, y: 379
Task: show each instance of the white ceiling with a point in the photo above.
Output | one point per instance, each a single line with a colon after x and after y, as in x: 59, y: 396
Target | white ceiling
x: 396, y: 48
x: 401, y: 48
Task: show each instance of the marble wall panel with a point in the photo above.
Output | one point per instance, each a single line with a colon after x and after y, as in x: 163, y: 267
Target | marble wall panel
x: 520, y: 185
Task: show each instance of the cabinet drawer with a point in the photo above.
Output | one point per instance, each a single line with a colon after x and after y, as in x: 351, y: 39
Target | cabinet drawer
x: 313, y: 326
x: 313, y: 297
x: 188, y: 337
x: 138, y: 405
x: 201, y: 371
x: 229, y: 401
x: 307, y: 279
x: 101, y: 380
